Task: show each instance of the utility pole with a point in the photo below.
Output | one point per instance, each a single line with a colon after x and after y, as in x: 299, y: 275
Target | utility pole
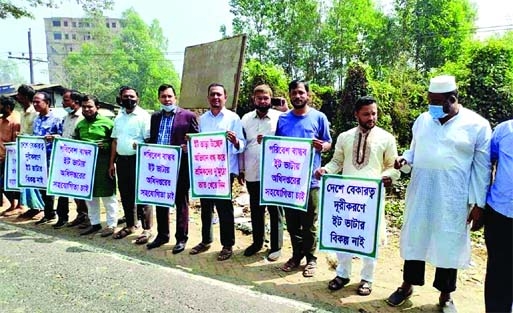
x: 30, y: 58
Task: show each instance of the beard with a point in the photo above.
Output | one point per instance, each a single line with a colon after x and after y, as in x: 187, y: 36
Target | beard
x: 367, y: 125
x: 298, y: 104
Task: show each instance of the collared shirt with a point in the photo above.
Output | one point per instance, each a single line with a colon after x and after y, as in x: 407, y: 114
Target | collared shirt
x: 253, y: 126
x: 224, y: 121
x: 500, y: 195
x: 165, y: 128
x: 9, y: 126
x: 70, y: 121
x: 27, y: 120
x: 48, y: 124
x: 314, y: 125
x: 129, y: 129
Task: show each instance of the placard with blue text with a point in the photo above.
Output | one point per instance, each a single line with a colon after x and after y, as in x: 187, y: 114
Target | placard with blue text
x: 32, y: 167
x: 209, y: 165
x: 72, y: 168
x: 286, y: 171
x: 350, y: 212
x: 157, y: 174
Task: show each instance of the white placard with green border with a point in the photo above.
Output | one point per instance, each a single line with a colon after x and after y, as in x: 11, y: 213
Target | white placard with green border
x: 72, y: 168
x: 157, y: 174
x: 10, y: 177
x: 32, y: 167
x: 350, y: 212
x: 286, y: 171
x: 209, y: 169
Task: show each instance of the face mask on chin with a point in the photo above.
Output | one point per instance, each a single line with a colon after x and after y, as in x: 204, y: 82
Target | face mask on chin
x: 68, y: 110
x: 436, y: 111
x: 168, y: 108
x: 128, y: 103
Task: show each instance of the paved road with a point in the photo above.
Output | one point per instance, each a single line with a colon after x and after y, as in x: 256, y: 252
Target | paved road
x: 40, y: 273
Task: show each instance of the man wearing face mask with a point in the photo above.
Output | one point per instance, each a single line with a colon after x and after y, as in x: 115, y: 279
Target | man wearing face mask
x: 169, y: 127
x: 71, y: 104
x: 450, y: 160
x: 256, y: 124
x: 131, y: 127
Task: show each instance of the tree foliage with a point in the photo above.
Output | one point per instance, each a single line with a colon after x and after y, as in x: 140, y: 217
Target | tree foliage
x: 13, y: 9
x: 9, y: 72
x: 135, y: 57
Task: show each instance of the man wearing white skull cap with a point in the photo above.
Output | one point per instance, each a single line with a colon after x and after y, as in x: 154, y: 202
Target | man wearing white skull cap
x: 450, y: 160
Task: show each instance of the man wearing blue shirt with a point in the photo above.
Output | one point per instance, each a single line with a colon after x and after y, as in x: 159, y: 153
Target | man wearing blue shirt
x: 304, y: 121
x: 218, y: 118
x: 48, y: 126
x: 499, y: 223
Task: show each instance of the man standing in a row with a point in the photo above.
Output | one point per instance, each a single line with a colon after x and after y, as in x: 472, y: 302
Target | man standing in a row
x: 219, y: 118
x: 169, y: 127
x: 131, y: 127
x: 304, y: 121
x: 9, y: 128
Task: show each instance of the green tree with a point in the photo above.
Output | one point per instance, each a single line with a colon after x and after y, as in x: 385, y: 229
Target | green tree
x: 9, y: 72
x: 13, y: 9
x: 134, y: 57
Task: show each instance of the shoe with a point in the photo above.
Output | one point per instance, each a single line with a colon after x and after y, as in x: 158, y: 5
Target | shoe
x: 60, y: 224
x: 29, y: 214
x: 252, y: 249
x: 77, y: 221
x: 93, y: 229
x: 86, y: 223
x: 448, y: 307
x: 45, y: 220
x: 159, y: 241
x: 179, y: 247
x: 201, y: 247
x: 399, y: 297
x: 274, y: 256
x: 107, y: 231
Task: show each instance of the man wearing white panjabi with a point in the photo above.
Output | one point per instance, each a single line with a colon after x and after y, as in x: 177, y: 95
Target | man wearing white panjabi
x: 450, y: 160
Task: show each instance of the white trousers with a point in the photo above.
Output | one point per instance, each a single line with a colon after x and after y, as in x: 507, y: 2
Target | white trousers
x: 111, y: 207
x: 345, y: 262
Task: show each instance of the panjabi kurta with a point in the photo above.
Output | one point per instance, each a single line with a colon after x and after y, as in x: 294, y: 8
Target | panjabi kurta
x: 99, y: 130
x: 450, y: 173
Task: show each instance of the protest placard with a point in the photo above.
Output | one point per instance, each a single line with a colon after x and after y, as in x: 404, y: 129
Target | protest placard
x: 209, y: 166
x: 350, y: 213
x: 286, y: 171
x: 32, y: 167
x: 72, y: 167
x: 10, y: 177
x: 157, y: 174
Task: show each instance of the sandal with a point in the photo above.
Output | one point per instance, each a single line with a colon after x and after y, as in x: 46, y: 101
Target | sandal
x: 201, y: 247
x: 310, y: 269
x: 125, y: 231
x: 365, y: 288
x: 337, y: 283
x: 143, y: 238
x: 290, y: 265
x: 225, y: 254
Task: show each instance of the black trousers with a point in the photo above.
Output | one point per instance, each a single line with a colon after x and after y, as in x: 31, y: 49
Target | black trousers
x: 125, y: 169
x: 302, y: 228
x: 226, y: 220
x: 498, y: 233
x: 445, y: 278
x: 63, y: 207
x: 48, y: 201
x: 258, y: 218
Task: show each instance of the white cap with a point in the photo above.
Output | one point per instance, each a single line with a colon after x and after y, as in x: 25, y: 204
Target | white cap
x: 442, y: 84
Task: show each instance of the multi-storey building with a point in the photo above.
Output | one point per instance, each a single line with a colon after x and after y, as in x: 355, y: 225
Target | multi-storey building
x: 67, y: 34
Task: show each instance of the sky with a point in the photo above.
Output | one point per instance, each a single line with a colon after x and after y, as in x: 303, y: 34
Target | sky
x: 185, y: 23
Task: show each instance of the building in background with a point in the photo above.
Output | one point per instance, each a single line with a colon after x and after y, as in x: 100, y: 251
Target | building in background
x: 65, y: 35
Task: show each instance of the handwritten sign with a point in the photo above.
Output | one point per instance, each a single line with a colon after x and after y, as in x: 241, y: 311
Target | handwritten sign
x: 72, y: 168
x: 32, y: 169
x: 157, y: 174
x: 350, y: 212
x: 10, y: 177
x: 286, y: 171
x: 209, y: 166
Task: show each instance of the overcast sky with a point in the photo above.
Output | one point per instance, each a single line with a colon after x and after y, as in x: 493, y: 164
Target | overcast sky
x: 185, y: 23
